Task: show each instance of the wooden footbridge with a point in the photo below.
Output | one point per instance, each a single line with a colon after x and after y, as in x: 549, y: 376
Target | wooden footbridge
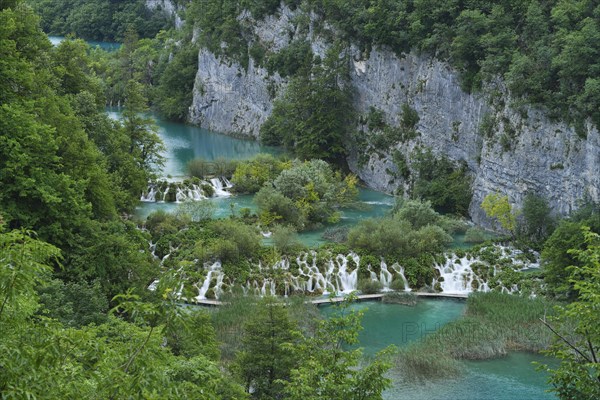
x: 339, y: 299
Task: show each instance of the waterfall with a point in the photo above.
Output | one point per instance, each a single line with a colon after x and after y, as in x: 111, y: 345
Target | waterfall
x: 150, y: 197
x: 347, y: 279
x: 457, y: 276
x: 212, y: 270
x: 228, y: 184
x: 220, y: 191
x: 385, y: 277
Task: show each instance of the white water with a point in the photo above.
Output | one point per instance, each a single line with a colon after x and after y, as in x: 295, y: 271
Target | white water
x: 214, y: 269
x: 217, y: 184
x: 456, y: 275
x: 185, y: 192
x: 339, y: 275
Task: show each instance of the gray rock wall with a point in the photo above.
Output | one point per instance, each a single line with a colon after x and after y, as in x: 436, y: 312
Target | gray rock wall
x: 167, y: 7
x: 539, y: 156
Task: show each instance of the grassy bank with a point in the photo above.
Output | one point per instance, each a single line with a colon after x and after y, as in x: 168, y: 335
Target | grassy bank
x: 493, y: 324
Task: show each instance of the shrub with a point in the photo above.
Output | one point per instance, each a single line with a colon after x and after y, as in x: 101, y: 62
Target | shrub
x: 286, y: 240
x: 369, y: 286
x: 199, y: 168
x: 405, y: 298
x: 475, y: 235
x: 397, y: 285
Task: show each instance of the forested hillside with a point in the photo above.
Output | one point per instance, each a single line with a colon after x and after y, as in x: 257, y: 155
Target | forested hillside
x: 96, y: 301
x: 99, y: 19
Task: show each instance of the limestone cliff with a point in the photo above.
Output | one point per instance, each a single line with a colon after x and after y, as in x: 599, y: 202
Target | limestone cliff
x: 507, y: 149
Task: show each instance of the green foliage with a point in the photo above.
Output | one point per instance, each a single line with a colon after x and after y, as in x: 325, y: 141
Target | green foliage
x: 494, y: 323
x: 306, y: 194
x: 197, y: 211
x: 62, y: 301
x: 286, y: 240
x: 267, y: 357
x: 250, y: 176
x: 413, y: 230
x: 537, y: 223
x: 326, y: 370
x: 368, y: 286
x: 296, y: 58
x: 176, y: 83
x: 113, y: 254
x: 446, y: 185
x: 404, y: 298
x: 556, y: 255
x: 577, y: 340
x: 501, y: 211
x: 23, y: 266
x: 314, y: 115
x: 116, y: 359
x: 98, y: 20
x: 418, y: 213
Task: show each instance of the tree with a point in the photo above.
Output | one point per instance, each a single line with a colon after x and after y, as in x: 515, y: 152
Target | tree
x: 499, y: 208
x: 558, y: 256
x: 196, y: 211
x: 314, y: 116
x: 145, y: 143
x: 267, y: 355
x: 326, y: 370
x: 308, y: 193
x: 536, y: 223
x: 577, y: 343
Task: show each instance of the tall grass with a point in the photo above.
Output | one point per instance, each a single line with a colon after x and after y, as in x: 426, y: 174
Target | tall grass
x: 493, y: 324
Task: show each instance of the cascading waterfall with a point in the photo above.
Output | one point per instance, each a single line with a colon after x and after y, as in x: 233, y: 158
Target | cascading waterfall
x: 400, y: 271
x: 456, y: 276
x: 150, y: 196
x: 385, y: 277
x: 220, y: 191
x: 162, y: 191
x: 213, y: 270
x: 338, y: 274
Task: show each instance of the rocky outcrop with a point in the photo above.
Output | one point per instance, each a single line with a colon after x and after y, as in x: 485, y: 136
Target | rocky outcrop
x: 517, y: 152
x: 167, y: 7
x: 229, y: 99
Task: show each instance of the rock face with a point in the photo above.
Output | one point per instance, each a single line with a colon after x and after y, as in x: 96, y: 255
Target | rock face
x: 518, y: 152
x: 167, y: 7
x: 229, y: 99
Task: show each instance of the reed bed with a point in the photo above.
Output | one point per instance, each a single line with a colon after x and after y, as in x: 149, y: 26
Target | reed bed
x: 494, y: 324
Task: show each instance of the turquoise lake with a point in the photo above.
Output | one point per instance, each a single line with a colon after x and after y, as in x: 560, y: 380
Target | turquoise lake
x: 509, y: 378
x: 108, y: 46
x: 513, y: 377
x: 185, y: 142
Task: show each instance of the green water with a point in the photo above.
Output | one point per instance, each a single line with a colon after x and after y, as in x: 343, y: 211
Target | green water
x: 509, y: 378
x: 186, y: 142
x: 108, y: 46
x: 386, y: 324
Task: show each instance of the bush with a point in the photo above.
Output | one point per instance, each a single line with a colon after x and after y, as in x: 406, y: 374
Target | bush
x: 199, y: 168
x: 306, y: 195
x: 445, y: 184
x: 338, y: 234
x: 368, y: 286
x: 397, y: 284
x: 405, y: 298
x: 251, y: 175
x: 286, y: 240
x: 475, y: 235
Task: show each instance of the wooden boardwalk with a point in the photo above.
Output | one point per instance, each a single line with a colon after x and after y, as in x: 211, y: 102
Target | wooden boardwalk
x: 339, y: 299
